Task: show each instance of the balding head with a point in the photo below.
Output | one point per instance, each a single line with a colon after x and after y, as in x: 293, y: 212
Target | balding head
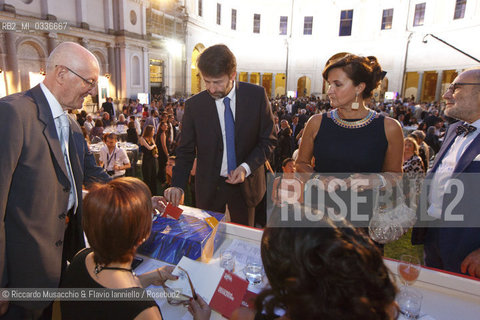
x: 463, y: 96
x: 72, y: 74
x: 70, y: 54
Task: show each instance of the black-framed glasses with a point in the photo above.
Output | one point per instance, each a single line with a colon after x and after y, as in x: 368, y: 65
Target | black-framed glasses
x: 455, y: 85
x: 90, y: 83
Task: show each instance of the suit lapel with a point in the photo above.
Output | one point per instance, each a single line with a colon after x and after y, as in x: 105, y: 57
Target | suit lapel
x: 212, y: 113
x: 73, y: 152
x: 467, y: 157
x: 449, y: 138
x: 50, y: 130
x: 240, y: 117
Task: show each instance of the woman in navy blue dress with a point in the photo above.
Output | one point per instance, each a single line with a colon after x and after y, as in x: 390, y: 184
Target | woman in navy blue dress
x: 351, y: 142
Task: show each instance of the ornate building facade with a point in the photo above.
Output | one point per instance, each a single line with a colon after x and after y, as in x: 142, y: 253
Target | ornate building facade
x: 151, y: 46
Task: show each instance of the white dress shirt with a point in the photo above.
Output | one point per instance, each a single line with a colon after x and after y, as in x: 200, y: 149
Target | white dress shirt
x: 441, y: 182
x: 221, y: 118
x: 117, y: 157
x: 57, y: 111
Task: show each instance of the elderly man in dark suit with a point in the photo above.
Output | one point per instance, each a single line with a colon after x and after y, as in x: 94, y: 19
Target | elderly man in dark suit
x: 43, y: 164
x: 453, y: 190
x: 229, y: 128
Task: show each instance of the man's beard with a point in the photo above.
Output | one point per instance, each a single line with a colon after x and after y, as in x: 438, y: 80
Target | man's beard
x: 218, y: 95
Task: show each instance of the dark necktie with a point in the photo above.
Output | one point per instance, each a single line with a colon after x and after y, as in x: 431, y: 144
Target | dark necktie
x: 230, y: 136
x: 465, y: 129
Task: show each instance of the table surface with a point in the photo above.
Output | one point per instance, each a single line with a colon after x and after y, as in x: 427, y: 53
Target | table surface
x: 116, y: 129
x: 445, y: 296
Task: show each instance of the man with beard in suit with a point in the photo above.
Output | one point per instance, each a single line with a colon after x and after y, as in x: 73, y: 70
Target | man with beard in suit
x: 229, y: 127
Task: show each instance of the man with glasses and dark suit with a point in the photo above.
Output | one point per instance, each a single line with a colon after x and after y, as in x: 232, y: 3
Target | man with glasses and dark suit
x: 43, y: 164
x: 454, y: 182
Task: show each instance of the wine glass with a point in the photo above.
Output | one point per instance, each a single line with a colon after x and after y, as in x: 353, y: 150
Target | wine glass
x: 408, y: 269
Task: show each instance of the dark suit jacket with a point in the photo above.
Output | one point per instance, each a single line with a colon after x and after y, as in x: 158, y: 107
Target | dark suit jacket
x: 34, y: 192
x: 295, y: 132
x: 457, y: 240
x: 201, y: 135
x: 108, y: 107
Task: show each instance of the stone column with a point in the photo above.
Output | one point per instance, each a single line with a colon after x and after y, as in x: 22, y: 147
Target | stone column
x: 260, y: 78
x: 438, y: 89
x: 419, y: 87
x: 84, y: 42
x: 273, y: 84
x: 13, y: 84
x: 111, y: 66
x: 51, y: 41
x: 44, y: 8
x: 146, y: 70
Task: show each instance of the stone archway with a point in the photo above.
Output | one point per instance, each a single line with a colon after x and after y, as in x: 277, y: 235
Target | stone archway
x: 197, y: 85
x: 303, y: 86
x: 102, y: 61
x: 31, y: 63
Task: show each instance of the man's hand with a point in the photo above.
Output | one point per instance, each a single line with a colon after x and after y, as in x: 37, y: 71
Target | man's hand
x: 3, y: 307
x: 159, y: 203
x: 174, y: 196
x: 236, y: 176
x: 471, y: 264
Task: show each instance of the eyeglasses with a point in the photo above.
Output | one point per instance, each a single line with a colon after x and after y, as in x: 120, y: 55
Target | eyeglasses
x: 90, y: 83
x: 176, y: 298
x: 455, y: 85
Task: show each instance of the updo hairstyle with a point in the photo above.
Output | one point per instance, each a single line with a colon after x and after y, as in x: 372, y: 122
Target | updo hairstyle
x: 358, y: 69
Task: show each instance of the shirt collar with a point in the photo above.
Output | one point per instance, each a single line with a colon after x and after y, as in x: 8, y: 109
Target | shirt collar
x: 231, y: 94
x: 55, y: 106
x: 476, y: 124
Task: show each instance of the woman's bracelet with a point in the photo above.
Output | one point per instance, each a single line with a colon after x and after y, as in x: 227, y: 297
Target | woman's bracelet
x: 160, y: 275
x: 383, y: 180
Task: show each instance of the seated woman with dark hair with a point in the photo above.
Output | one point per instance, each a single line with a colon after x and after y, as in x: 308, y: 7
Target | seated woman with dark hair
x: 132, y: 135
x: 330, y: 271
x: 117, y: 219
x: 97, y: 131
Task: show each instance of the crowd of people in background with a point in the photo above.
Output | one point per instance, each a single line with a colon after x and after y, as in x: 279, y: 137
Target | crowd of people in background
x: 424, y: 125
x: 344, y: 135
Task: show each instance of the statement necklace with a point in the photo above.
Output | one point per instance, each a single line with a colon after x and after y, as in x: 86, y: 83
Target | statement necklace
x: 99, y: 268
x: 352, y: 124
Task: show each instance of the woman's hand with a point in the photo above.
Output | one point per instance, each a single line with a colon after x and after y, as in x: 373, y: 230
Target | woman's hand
x: 157, y: 277
x: 164, y: 274
x: 328, y: 184
x: 361, y: 182
x: 199, y: 309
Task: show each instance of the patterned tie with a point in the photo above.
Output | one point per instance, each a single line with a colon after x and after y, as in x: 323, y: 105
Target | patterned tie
x: 65, y: 132
x: 230, y: 136
x: 465, y: 129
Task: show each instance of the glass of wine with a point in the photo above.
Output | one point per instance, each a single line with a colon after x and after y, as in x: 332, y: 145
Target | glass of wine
x: 408, y: 269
